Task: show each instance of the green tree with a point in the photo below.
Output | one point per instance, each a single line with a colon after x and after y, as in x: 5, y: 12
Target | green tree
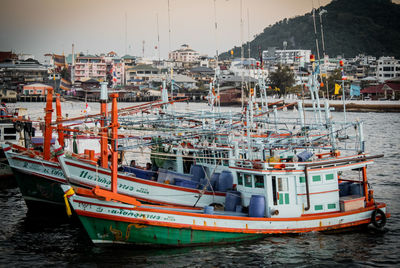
x: 282, y: 78
x: 330, y: 81
x: 65, y: 74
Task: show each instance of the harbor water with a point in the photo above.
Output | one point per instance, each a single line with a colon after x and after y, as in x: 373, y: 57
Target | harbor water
x: 32, y: 239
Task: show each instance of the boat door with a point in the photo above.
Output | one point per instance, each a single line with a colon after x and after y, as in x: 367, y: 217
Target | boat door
x: 282, y: 200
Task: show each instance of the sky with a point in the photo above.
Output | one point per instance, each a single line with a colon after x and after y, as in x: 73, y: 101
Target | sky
x: 127, y: 26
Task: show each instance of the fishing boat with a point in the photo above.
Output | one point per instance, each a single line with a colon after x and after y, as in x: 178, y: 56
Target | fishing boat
x: 39, y: 173
x: 162, y: 187
x: 274, y: 198
x: 297, y: 200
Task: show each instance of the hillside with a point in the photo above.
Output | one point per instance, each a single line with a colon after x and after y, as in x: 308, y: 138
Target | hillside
x: 350, y: 27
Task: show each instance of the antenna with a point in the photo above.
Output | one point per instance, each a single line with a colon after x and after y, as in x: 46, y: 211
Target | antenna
x: 143, y: 48
x: 216, y: 52
x: 126, y: 32
x: 158, y: 40
x: 169, y: 29
x: 241, y: 50
x: 248, y: 29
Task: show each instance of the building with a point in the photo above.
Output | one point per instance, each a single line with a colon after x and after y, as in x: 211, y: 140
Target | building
x: 90, y: 67
x: 141, y: 74
x: 115, y: 69
x: 184, y: 54
x: 286, y: 56
x: 387, y: 68
x: 16, y: 73
x: 247, y: 68
x: 36, y: 89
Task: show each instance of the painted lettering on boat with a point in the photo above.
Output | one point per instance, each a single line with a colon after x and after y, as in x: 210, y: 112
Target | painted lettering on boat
x: 40, y: 168
x: 134, y: 214
x: 107, y: 181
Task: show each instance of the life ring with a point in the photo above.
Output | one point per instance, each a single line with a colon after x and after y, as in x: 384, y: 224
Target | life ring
x: 382, y: 221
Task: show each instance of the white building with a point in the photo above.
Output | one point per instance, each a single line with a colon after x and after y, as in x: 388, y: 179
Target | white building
x: 287, y: 56
x: 90, y: 67
x: 387, y: 68
x: 184, y: 54
x: 248, y: 68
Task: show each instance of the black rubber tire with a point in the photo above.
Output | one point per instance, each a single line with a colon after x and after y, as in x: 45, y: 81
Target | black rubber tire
x: 382, y: 221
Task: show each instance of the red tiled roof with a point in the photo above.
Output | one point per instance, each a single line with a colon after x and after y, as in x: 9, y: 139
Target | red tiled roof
x: 381, y: 88
x: 6, y: 55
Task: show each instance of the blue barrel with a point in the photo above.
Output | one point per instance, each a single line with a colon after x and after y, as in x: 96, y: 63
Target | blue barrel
x: 208, y: 210
x: 214, y: 181
x: 232, y: 199
x: 190, y: 184
x: 198, y: 172
x: 257, y: 206
x: 178, y: 182
x: 239, y: 208
x: 225, y: 181
x: 356, y: 189
x: 344, y: 188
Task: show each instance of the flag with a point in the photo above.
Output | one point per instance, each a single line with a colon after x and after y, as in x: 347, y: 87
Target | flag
x: 65, y: 84
x: 59, y: 60
x: 354, y: 90
x: 344, y: 77
x: 114, y: 73
x: 337, y: 88
x: 316, y: 71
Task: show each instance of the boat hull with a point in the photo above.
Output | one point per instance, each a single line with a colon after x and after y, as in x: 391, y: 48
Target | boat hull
x: 113, y: 222
x: 83, y: 174
x: 104, y: 231
x: 38, y: 191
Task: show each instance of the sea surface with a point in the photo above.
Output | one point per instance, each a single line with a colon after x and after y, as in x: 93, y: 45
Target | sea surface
x: 33, y: 240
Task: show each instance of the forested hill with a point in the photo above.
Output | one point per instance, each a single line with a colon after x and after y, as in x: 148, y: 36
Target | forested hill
x: 350, y: 27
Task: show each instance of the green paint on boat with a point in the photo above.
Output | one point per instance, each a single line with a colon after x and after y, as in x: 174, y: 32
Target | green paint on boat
x: 109, y: 231
x: 39, y: 189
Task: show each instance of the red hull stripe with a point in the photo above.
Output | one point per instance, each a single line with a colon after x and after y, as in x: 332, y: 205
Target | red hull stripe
x: 308, y: 217
x: 47, y: 164
x: 219, y: 229
x: 324, y: 192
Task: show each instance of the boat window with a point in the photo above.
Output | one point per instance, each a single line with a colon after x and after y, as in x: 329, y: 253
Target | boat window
x: 316, y: 178
x: 274, y: 193
x: 331, y: 206
x: 318, y: 207
x: 240, y: 178
x: 259, y: 181
x: 329, y: 177
x: 302, y: 179
x: 282, y: 185
x: 248, y: 180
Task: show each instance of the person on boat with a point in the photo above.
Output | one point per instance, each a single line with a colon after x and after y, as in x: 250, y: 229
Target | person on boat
x: 148, y: 166
x: 133, y: 164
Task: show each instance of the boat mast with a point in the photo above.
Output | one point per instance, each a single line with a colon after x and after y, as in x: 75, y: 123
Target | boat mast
x: 216, y: 83
x: 103, y: 139
x: 114, y: 143
x: 48, y: 128
x: 59, y: 118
